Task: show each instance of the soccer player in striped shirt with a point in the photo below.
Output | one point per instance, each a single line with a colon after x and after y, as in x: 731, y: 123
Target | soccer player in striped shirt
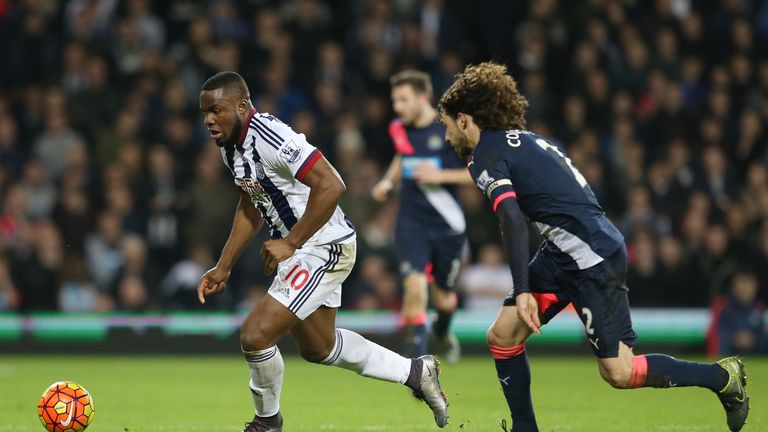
x: 289, y: 186
x: 583, y: 259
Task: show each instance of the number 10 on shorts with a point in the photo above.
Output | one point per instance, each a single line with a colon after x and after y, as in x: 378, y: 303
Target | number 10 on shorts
x: 300, y: 277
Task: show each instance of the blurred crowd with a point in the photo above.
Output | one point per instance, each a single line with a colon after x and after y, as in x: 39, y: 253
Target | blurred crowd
x: 113, y: 197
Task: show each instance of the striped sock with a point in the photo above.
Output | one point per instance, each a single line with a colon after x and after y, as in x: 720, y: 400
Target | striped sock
x: 662, y: 371
x: 354, y: 352
x: 266, y: 367
x: 415, y: 335
x: 515, y: 376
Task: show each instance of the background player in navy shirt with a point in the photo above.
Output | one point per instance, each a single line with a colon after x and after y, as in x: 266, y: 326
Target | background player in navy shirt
x: 430, y: 223
x: 582, y: 260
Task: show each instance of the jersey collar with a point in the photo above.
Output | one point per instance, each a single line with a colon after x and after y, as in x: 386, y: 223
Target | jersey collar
x: 243, y: 132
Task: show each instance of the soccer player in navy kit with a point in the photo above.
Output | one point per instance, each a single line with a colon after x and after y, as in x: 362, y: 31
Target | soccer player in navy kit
x: 430, y: 224
x: 582, y: 260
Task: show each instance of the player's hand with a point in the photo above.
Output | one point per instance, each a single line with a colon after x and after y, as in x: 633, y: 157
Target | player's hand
x: 427, y: 173
x: 381, y: 190
x: 213, y: 282
x: 744, y: 340
x: 528, y: 311
x: 273, y: 252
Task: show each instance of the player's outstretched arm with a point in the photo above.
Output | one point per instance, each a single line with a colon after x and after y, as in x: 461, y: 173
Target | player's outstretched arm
x: 429, y: 174
x: 514, y: 233
x: 326, y: 188
x: 247, y: 223
x: 387, y: 183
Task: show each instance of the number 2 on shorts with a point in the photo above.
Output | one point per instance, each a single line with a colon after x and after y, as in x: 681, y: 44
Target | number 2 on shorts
x: 588, y: 316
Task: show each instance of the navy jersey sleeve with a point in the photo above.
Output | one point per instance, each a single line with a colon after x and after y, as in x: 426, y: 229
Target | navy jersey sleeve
x: 492, y: 175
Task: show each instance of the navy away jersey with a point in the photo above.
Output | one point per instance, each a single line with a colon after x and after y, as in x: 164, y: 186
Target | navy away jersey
x: 550, y: 191
x: 426, y: 207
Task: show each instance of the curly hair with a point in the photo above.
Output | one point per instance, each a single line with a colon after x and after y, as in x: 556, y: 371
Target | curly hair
x: 489, y: 95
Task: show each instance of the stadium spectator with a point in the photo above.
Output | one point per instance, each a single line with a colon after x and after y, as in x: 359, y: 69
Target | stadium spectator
x: 98, y: 113
x: 377, y: 286
x: 134, y: 273
x: 36, y: 268
x: 78, y: 293
x: 102, y: 250
x: 180, y: 284
x: 208, y: 182
x: 486, y: 283
x: 9, y: 298
x: 54, y: 144
x: 740, y: 325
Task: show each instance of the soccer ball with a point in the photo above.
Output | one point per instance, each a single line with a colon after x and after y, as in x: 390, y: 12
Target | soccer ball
x: 65, y: 407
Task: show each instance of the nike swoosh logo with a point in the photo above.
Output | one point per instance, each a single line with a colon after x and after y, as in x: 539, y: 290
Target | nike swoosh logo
x: 71, y: 411
x: 429, y: 371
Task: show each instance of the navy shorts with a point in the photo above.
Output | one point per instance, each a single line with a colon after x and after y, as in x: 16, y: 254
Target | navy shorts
x: 420, y: 251
x: 599, y: 295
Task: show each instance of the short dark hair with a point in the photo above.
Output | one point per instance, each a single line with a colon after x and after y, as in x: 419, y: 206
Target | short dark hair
x: 489, y: 95
x: 419, y: 81
x: 228, y: 80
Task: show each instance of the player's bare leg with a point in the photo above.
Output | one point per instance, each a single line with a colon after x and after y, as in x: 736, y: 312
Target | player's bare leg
x: 726, y: 378
x: 259, y: 334
x: 321, y: 342
x: 415, y: 314
x: 506, y: 339
x: 445, y: 302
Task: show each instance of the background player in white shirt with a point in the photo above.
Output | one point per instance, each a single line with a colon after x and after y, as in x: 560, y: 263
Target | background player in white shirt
x: 290, y: 186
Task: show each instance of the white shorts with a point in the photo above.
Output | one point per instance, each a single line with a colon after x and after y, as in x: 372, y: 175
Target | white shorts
x: 312, y: 277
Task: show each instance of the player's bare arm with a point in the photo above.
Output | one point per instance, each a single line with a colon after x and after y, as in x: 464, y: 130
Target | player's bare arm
x: 326, y: 188
x: 430, y: 174
x: 247, y: 223
x: 381, y: 190
x: 514, y: 233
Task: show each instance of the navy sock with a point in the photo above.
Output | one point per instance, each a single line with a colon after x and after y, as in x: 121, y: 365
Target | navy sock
x: 515, y: 376
x: 665, y: 371
x: 416, y: 339
x: 442, y: 323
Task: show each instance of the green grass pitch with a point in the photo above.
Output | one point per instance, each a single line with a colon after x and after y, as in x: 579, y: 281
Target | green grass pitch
x: 194, y: 393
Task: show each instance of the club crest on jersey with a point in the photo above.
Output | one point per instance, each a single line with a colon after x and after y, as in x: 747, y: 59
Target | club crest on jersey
x: 260, y: 171
x: 484, y: 180
x: 290, y: 152
x: 434, y: 142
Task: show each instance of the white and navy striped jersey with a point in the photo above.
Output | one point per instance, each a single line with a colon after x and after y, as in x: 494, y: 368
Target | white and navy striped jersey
x: 269, y: 162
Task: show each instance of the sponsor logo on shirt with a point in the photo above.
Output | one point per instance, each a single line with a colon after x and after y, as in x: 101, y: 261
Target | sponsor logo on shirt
x: 254, y: 190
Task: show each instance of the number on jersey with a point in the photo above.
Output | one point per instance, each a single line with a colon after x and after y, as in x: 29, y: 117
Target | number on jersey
x: 564, y: 161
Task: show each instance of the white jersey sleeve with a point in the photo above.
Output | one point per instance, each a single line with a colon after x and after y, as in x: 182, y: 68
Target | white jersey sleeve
x: 295, y: 155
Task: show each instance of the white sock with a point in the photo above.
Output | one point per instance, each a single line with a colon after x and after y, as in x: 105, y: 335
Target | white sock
x: 355, y: 353
x: 266, y: 382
